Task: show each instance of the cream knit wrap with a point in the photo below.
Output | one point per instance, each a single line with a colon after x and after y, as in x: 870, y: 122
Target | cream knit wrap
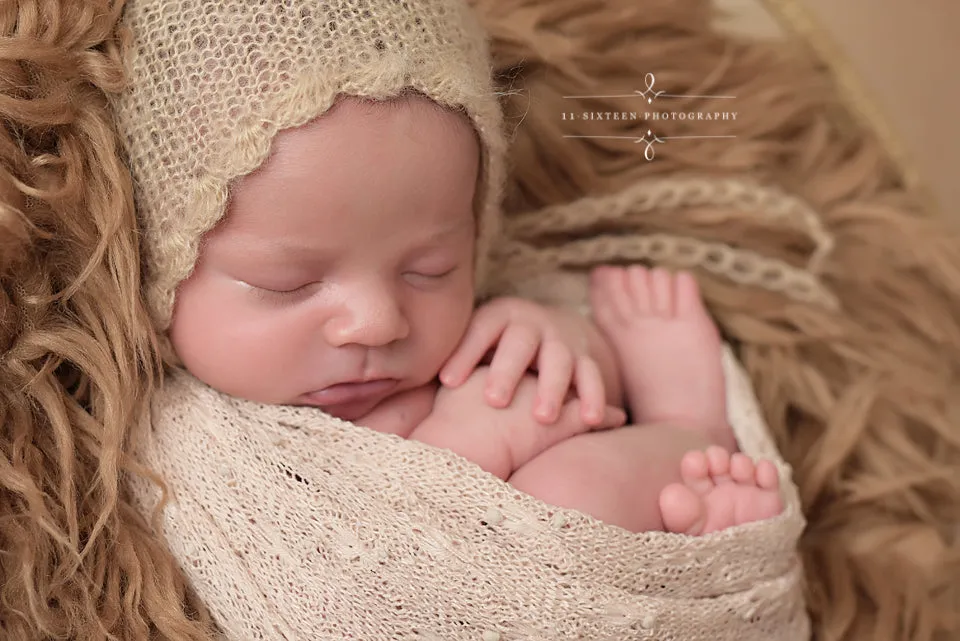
x: 293, y: 525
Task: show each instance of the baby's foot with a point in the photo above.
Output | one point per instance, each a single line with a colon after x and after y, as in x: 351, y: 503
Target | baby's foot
x: 668, y: 347
x: 719, y: 491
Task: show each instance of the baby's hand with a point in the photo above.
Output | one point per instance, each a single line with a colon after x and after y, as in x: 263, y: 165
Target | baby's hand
x: 500, y: 440
x: 525, y: 336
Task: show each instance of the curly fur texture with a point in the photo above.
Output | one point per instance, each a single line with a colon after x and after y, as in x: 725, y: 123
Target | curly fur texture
x: 79, y: 358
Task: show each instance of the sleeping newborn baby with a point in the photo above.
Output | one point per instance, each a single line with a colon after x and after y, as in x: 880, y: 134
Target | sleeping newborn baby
x: 342, y: 278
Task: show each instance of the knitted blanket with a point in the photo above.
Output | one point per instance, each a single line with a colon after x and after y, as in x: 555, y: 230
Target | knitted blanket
x: 294, y: 525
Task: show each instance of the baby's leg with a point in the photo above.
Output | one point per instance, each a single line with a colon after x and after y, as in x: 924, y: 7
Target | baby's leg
x: 653, y: 477
x: 668, y: 346
x: 615, y: 476
x: 670, y: 359
x: 656, y: 475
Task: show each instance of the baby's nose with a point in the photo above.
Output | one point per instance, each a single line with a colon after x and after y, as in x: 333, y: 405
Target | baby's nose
x: 368, y: 321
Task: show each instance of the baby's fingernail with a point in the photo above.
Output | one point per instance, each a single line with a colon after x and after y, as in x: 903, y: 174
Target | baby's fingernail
x: 545, y: 410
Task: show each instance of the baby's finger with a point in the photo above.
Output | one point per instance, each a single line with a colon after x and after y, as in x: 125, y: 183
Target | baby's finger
x: 482, y: 334
x: 517, y: 348
x: 554, y: 374
x: 570, y: 424
x: 590, y: 390
x: 613, y: 417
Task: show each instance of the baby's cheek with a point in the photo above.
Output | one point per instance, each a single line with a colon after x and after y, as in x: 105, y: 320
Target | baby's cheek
x: 193, y: 325
x: 453, y: 326
x: 230, y: 346
x: 281, y: 344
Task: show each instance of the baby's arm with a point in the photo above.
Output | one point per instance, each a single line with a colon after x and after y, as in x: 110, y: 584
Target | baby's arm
x: 463, y: 425
x: 459, y: 419
x: 500, y: 440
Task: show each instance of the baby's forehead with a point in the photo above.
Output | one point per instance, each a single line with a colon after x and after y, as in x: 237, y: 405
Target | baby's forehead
x: 354, y: 124
x: 392, y: 169
x: 282, y: 239
x: 348, y: 110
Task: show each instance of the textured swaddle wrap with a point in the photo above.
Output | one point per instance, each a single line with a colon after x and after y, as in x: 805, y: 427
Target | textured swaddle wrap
x: 293, y: 525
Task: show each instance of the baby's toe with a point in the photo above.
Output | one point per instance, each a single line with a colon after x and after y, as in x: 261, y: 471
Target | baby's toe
x: 640, y: 289
x: 766, y: 475
x: 681, y: 509
x: 695, y: 472
x: 742, y: 469
x: 687, y: 293
x: 719, y: 460
x: 609, y: 297
x: 661, y: 293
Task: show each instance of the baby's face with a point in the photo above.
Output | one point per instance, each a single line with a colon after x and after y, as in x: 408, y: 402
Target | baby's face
x: 347, y: 257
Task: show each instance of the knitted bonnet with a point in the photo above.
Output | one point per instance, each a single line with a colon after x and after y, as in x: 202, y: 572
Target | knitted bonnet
x: 211, y: 82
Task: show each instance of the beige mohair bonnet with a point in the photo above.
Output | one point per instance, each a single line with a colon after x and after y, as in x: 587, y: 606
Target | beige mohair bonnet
x: 212, y: 82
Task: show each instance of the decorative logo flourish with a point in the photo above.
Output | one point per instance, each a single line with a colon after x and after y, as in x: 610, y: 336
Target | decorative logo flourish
x: 650, y: 80
x: 648, y: 151
x: 649, y: 94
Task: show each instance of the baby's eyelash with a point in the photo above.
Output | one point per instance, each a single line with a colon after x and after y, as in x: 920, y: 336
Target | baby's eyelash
x: 430, y: 276
x: 438, y: 275
x: 275, y: 295
x: 278, y: 292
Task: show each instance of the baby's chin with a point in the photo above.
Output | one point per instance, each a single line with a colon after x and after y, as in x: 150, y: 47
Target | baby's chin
x: 351, y: 411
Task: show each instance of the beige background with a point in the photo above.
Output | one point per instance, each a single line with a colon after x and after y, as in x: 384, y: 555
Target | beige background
x: 907, y: 55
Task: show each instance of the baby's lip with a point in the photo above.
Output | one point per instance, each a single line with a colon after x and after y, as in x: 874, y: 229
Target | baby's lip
x: 351, y: 392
